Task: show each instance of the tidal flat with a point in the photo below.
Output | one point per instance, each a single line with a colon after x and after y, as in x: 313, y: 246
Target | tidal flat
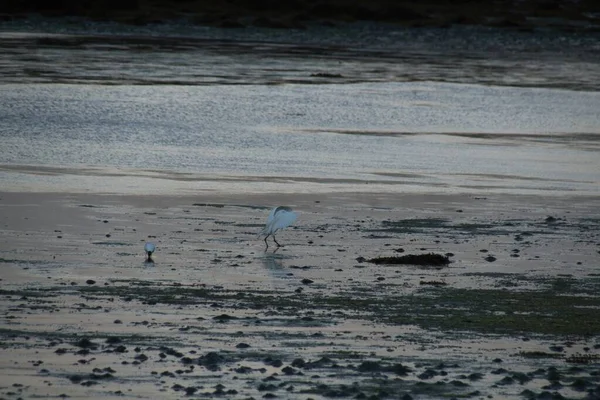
x: 513, y: 315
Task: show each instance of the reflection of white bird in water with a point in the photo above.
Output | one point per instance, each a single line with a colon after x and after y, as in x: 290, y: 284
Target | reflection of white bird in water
x: 279, y: 218
x: 149, y: 248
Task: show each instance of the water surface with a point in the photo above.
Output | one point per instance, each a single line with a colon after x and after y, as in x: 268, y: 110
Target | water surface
x: 181, y: 109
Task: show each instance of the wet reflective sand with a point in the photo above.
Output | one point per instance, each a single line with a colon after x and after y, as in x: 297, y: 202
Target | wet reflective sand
x: 83, y: 312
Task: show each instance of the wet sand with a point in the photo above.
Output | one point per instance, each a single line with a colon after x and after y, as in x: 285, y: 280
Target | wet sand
x: 514, y: 315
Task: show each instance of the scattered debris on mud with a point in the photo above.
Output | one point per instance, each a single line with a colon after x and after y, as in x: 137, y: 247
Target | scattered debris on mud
x: 218, y: 317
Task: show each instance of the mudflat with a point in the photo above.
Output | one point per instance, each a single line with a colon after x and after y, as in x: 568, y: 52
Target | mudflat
x: 514, y: 314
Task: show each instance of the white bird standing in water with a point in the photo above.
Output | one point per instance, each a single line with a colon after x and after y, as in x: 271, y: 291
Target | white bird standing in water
x: 279, y: 218
x: 149, y: 249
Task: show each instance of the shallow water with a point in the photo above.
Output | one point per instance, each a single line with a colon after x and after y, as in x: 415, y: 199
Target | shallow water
x: 180, y: 109
x: 392, y: 136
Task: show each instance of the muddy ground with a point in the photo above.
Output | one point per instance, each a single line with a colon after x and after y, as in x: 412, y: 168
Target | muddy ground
x: 514, y: 315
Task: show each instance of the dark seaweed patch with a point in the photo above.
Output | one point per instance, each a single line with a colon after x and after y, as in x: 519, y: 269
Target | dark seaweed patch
x: 429, y: 259
x: 539, y: 354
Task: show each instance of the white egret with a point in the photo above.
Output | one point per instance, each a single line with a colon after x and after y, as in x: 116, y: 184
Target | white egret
x: 149, y: 249
x: 279, y: 218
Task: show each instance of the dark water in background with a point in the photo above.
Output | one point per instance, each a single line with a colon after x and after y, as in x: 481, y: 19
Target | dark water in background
x: 186, y: 54
x: 178, y: 108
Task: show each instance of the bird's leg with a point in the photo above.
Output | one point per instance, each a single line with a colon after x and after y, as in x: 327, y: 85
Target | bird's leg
x: 278, y: 245
x: 266, y: 242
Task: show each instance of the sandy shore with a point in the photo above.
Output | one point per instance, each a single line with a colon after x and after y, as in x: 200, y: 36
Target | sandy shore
x: 514, y: 315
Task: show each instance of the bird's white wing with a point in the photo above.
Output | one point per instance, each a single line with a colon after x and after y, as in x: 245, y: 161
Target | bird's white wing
x: 282, y: 220
x: 279, y: 218
x: 271, y: 216
x: 149, y: 247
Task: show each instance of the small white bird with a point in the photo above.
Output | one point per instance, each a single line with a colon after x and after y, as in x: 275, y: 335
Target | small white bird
x: 279, y: 218
x: 149, y: 249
